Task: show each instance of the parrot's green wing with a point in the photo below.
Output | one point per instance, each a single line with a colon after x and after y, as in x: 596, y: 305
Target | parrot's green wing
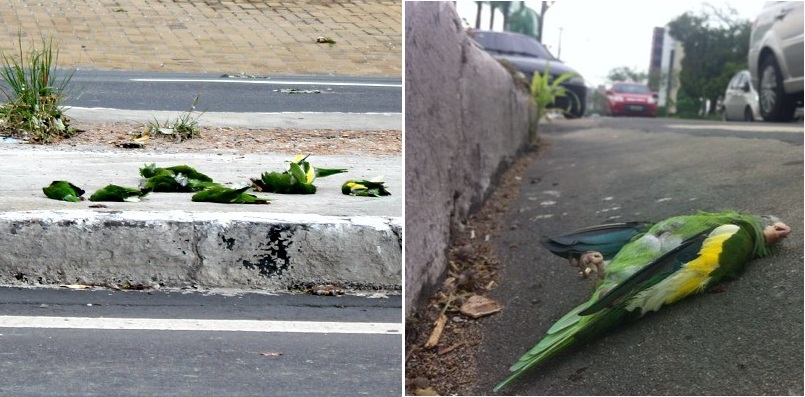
x: 190, y: 172
x: 118, y: 193
x: 323, y: 172
x: 650, y: 274
x: 282, y: 183
x: 63, y: 190
x: 224, y: 195
x: 675, y: 258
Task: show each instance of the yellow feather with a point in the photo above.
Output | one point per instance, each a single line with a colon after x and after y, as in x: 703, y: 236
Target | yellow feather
x: 690, y: 278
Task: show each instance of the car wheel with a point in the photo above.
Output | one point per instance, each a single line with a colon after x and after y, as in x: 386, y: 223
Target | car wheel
x: 748, y: 116
x: 775, y: 105
x: 576, y: 110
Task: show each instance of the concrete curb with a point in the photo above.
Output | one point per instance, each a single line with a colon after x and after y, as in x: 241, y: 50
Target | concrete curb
x: 208, y: 250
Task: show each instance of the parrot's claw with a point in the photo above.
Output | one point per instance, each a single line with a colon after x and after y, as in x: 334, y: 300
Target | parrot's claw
x: 589, y: 262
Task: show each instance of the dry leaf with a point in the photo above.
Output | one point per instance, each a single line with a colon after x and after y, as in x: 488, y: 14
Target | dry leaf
x: 478, y: 306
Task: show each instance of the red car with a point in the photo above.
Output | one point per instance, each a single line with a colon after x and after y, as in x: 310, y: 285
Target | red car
x: 631, y: 99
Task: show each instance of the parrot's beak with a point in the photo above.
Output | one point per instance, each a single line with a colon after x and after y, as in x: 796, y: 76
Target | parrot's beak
x: 775, y: 232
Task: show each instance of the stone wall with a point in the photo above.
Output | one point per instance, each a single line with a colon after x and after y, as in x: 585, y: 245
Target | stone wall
x: 464, y: 123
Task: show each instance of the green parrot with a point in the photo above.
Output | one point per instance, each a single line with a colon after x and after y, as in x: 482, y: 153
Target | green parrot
x: 170, y: 183
x: 675, y: 258
x: 365, y: 188
x: 179, y: 178
x: 151, y: 170
x: 298, y: 179
x: 225, y: 195
x: 63, y: 190
x: 118, y: 193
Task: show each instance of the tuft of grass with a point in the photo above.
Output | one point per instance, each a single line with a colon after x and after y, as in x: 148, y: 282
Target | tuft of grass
x: 182, y: 128
x: 34, y: 91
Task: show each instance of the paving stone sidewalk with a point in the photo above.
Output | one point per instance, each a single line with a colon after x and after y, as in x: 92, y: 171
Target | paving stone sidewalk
x: 254, y: 37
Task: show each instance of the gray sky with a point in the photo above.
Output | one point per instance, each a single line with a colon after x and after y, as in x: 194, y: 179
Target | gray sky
x: 598, y: 36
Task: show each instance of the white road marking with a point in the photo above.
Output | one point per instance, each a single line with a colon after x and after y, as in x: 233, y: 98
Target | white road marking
x: 740, y: 127
x: 271, y: 82
x: 314, y: 327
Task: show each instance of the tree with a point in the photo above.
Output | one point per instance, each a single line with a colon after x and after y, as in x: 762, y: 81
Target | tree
x: 624, y: 73
x: 716, y: 43
x: 524, y: 20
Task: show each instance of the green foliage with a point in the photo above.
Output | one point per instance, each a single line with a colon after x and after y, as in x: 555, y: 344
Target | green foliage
x: 716, y: 44
x: 545, y: 90
x: 624, y: 73
x: 36, y: 90
x: 182, y: 128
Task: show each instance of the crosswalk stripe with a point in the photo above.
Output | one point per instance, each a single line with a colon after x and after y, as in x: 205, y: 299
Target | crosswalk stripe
x: 106, y: 323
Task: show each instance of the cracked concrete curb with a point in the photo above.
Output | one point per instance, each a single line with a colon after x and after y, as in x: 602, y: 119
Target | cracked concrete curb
x: 207, y: 250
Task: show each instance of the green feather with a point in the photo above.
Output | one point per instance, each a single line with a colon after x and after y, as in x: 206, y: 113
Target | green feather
x: 118, y: 193
x: 224, y: 195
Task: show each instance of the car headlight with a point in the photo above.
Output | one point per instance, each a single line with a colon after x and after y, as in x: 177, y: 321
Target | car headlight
x: 650, y: 100
x: 616, y: 98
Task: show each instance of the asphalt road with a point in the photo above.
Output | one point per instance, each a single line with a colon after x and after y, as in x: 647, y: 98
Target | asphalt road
x: 746, y: 340
x: 199, y: 359
x: 224, y: 93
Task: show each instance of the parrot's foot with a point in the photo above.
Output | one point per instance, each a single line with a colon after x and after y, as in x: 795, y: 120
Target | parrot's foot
x: 589, y: 262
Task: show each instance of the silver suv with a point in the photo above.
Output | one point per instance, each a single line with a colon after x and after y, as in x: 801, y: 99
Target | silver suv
x: 776, y: 57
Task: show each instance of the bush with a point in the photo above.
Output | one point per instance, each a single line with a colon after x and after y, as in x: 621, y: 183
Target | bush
x: 36, y: 90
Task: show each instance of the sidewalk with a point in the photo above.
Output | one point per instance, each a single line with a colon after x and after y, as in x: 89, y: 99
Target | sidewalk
x: 254, y: 37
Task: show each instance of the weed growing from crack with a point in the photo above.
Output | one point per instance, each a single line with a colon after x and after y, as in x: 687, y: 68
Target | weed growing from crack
x: 182, y: 128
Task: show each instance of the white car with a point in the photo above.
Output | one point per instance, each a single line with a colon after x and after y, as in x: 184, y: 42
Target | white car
x: 741, y: 99
x: 776, y: 58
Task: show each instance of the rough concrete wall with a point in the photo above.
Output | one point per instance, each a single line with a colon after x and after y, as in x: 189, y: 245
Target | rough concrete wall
x: 179, y: 249
x: 464, y: 122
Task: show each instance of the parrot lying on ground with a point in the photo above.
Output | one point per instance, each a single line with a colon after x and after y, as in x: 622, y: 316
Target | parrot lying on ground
x: 590, y: 248
x: 362, y: 187
x: 225, y: 195
x: 298, y: 179
x: 63, y: 190
x: 118, y: 193
x: 677, y: 257
x: 179, y: 178
x: 151, y: 170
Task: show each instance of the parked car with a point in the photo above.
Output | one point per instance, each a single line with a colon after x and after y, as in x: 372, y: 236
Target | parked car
x: 741, y: 99
x: 530, y: 56
x: 631, y: 99
x: 776, y: 58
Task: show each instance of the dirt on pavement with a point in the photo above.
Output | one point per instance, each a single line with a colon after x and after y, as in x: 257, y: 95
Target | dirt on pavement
x: 237, y: 140
x: 448, y: 367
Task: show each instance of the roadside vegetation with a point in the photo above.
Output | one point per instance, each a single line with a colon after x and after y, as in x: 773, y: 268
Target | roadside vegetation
x: 182, y: 128
x: 544, y: 92
x: 34, y: 90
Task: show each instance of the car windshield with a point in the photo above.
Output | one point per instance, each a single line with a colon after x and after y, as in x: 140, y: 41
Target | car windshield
x: 632, y: 89
x: 512, y: 44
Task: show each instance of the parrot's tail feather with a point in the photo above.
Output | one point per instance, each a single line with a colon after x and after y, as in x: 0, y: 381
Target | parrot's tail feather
x: 546, y: 348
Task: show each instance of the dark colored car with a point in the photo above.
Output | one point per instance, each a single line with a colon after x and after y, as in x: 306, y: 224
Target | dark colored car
x: 530, y: 56
x: 631, y: 99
